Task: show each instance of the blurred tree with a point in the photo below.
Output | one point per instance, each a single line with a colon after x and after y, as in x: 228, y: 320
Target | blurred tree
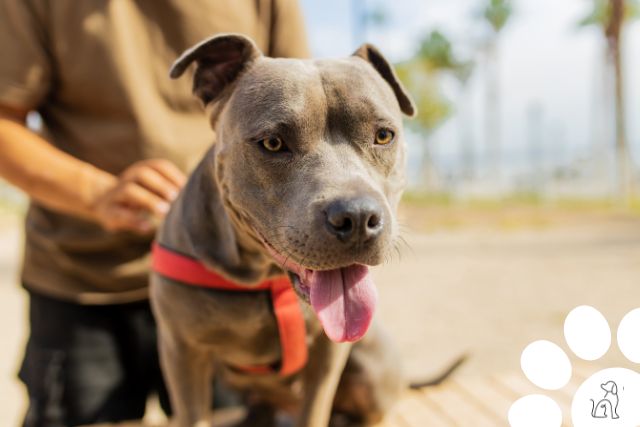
x: 377, y: 16
x: 611, y: 16
x: 421, y: 74
x: 496, y: 13
x: 463, y: 73
x: 422, y: 82
x: 438, y: 52
x: 365, y: 16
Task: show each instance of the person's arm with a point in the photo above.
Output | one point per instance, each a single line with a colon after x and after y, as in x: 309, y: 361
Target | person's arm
x: 131, y: 201
x: 51, y: 177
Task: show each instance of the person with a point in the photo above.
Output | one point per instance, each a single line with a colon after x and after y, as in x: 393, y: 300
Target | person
x: 118, y: 138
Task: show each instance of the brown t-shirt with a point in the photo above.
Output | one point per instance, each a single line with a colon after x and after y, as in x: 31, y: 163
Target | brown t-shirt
x: 97, y: 72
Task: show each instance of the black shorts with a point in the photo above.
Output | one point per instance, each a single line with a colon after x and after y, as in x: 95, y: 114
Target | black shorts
x: 89, y: 364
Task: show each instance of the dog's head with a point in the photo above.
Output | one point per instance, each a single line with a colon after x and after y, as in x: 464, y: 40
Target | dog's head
x: 309, y: 155
x: 609, y: 387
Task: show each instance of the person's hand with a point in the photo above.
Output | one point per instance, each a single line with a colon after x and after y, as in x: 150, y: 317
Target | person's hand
x: 139, y: 198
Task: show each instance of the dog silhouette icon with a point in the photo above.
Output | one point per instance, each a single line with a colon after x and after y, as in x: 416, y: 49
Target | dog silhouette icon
x: 608, y: 405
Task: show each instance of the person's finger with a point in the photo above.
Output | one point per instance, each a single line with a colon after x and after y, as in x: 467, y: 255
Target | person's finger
x: 121, y: 218
x: 169, y: 170
x: 157, y: 183
x: 134, y: 195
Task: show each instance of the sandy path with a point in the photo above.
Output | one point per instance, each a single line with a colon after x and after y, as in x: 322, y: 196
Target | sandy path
x: 490, y: 293
x: 13, y: 324
x: 484, y: 292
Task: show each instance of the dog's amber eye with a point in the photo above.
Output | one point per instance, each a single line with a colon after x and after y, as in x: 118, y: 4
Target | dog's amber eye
x: 384, y: 136
x: 273, y: 144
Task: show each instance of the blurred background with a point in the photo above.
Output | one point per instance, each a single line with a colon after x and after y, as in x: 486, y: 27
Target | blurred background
x: 524, y: 195
x: 527, y: 97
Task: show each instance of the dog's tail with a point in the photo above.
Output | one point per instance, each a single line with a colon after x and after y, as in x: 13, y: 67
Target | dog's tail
x: 593, y: 407
x: 442, y: 376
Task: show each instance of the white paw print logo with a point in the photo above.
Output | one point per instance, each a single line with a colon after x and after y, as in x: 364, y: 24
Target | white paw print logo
x: 610, y: 397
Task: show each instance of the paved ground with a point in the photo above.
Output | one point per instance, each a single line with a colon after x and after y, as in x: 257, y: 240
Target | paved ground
x: 485, y: 290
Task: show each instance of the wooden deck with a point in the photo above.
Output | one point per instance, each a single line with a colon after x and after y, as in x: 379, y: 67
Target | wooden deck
x: 481, y: 402
x: 464, y: 402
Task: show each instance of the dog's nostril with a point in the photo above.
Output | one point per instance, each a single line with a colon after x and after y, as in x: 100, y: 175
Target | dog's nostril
x: 340, y: 221
x: 374, y: 221
x: 347, y: 225
x: 358, y: 219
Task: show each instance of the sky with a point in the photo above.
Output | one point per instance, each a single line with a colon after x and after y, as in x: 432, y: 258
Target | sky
x: 548, y: 64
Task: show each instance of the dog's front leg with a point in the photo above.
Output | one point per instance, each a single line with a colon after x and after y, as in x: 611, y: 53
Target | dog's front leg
x: 188, y: 372
x: 321, y: 377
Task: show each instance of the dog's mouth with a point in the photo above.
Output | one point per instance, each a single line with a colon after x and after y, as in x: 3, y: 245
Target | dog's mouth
x: 303, y: 291
x: 344, y: 299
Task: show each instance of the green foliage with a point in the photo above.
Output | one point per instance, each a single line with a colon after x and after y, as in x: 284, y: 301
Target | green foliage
x: 377, y: 17
x: 422, y: 82
x: 436, y: 51
x: 421, y: 74
x: 601, y: 13
x: 497, y: 13
x: 632, y: 10
x: 464, y: 71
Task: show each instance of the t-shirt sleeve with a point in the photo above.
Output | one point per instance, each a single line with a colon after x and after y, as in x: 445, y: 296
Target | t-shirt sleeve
x: 288, y: 35
x: 25, y: 66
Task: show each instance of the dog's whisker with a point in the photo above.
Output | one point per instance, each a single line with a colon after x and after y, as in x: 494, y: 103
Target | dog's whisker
x: 397, y: 248
x: 286, y: 260
x: 406, y: 244
x: 275, y: 237
x: 304, y: 259
x: 387, y: 256
x: 404, y: 224
x: 286, y: 253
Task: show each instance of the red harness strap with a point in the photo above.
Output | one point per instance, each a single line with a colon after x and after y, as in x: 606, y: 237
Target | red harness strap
x: 286, y: 307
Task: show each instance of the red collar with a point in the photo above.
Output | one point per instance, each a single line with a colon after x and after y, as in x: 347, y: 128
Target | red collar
x: 286, y: 307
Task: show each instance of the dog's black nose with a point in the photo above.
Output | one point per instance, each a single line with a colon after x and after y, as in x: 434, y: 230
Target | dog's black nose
x: 355, y: 220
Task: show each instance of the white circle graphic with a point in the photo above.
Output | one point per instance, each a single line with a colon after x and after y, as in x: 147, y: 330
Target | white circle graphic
x: 608, y: 398
x: 546, y: 365
x: 587, y: 333
x: 535, y: 410
x: 629, y: 335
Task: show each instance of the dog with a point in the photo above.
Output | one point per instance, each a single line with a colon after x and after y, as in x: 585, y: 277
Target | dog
x: 608, y: 405
x: 304, y: 179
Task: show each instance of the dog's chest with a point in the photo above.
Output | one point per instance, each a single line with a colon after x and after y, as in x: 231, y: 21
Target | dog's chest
x: 243, y: 330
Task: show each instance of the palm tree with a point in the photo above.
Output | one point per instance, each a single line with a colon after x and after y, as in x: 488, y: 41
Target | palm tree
x: 463, y: 73
x: 421, y: 74
x: 496, y: 13
x: 611, y: 16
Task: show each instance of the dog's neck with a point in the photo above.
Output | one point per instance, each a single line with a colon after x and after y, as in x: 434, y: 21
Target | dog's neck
x: 203, y: 225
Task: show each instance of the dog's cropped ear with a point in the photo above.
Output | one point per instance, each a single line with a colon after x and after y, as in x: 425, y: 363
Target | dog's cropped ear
x: 220, y: 60
x: 372, y: 55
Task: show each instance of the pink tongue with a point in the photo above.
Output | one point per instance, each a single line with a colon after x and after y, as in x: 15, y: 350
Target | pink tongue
x: 344, y: 300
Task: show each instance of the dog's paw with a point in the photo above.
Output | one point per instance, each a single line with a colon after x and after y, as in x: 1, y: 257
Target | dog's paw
x: 607, y: 397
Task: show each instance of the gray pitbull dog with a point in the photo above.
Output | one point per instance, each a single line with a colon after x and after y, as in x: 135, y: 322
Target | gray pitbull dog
x: 304, y: 177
